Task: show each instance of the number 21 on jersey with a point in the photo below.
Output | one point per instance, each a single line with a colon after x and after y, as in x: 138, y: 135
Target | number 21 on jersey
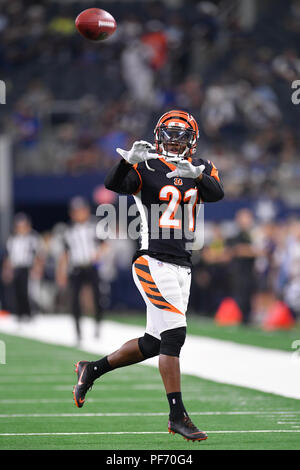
x: 173, y: 195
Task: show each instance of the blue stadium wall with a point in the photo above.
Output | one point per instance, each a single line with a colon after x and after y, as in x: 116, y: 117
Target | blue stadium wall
x: 46, y: 199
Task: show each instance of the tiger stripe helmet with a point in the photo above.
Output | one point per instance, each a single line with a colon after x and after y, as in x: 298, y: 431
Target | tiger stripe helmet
x: 176, y: 127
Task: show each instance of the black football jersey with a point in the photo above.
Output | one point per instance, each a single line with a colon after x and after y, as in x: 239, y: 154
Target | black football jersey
x: 168, y: 206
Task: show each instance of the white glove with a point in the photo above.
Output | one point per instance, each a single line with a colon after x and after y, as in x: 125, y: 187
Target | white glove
x: 138, y: 153
x: 185, y: 169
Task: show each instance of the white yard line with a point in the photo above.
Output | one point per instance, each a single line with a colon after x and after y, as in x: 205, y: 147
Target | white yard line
x: 262, y: 369
x: 96, y: 433
x: 18, y: 401
x: 194, y: 413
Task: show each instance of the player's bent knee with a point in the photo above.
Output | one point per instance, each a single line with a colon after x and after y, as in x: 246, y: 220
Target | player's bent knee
x: 172, y: 341
x: 149, y: 346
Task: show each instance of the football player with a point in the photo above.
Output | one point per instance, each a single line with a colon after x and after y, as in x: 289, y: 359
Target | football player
x: 168, y: 174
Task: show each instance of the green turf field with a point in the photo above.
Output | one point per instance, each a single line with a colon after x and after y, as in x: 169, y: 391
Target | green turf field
x: 36, y: 398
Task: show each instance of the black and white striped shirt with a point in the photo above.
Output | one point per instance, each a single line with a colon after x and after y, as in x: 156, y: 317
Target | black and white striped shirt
x: 81, y: 243
x: 22, y: 249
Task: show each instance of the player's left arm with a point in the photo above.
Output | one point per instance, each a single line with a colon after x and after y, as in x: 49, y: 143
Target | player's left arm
x: 205, y: 175
x: 209, y: 184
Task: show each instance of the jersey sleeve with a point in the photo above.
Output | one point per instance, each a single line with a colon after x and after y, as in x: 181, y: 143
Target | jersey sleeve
x: 123, y: 178
x: 210, y: 187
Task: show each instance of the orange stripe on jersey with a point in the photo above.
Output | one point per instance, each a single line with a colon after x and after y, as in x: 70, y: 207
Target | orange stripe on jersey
x: 141, y: 182
x: 214, y: 172
x: 170, y: 165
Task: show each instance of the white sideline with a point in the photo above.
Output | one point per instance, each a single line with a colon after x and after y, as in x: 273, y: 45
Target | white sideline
x: 267, y: 370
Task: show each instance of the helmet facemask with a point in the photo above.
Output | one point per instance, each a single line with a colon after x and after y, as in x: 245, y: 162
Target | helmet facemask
x: 175, y: 141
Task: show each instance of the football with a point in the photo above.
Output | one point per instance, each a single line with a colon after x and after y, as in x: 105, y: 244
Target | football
x: 95, y: 24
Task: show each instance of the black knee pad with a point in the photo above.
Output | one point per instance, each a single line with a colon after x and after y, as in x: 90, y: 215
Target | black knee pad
x: 172, y: 341
x: 149, y: 346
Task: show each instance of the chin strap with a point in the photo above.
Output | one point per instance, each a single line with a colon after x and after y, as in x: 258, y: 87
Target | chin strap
x: 176, y: 158
x: 169, y: 156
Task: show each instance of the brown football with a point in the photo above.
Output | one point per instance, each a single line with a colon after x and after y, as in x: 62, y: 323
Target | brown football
x: 95, y: 24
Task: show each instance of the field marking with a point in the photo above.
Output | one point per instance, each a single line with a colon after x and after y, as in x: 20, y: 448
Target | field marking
x: 115, y: 388
x: 267, y: 370
x: 114, y: 399
x: 33, y: 379
x: 194, y: 413
x: 17, y: 401
x: 96, y: 433
x: 288, y: 422
x: 39, y: 385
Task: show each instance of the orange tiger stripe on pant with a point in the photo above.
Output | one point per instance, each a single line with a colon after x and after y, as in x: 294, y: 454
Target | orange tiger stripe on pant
x: 151, y: 290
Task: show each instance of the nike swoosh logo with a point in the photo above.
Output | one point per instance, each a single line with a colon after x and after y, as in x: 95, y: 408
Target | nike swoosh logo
x: 79, y: 381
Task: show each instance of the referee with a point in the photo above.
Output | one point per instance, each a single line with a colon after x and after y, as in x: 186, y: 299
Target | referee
x: 78, y: 262
x: 21, y: 260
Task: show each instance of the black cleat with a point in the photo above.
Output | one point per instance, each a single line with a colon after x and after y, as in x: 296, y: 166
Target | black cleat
x: 187, y: 429
x: 84, y: 383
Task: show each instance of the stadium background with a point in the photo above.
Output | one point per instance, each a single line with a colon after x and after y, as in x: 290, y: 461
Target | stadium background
x: 69, y: 104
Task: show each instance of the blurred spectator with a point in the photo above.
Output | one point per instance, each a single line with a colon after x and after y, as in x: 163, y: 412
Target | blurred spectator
x: 156, y: 41
x: 26, y: 125
x: 218, y: 111
x: 79, y: 261
x: 71, y: 102
x: 260, y: 109
x: 253, y: 261
x: 243, y: 254
x: 290, y: 269
x: 137, y: 73
x: 210, y: 274
x: 201, y: 59
x: 287, y: 65
x: 190, y: 94
x: 85, y: 158
x: 63, y: 23
x: 23, y: 259
x: 38, y: 96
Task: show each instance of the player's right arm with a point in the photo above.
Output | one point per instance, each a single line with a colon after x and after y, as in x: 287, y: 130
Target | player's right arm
x: 123, y: 178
